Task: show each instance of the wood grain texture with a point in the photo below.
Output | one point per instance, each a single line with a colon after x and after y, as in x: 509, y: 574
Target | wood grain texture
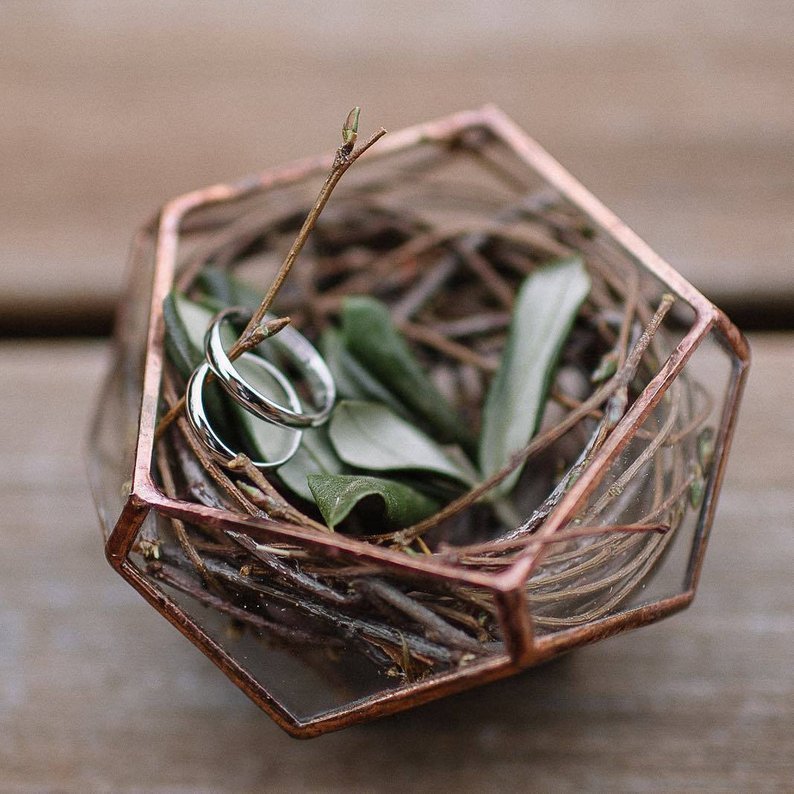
x: 98, y: 693
x: 678, y: 115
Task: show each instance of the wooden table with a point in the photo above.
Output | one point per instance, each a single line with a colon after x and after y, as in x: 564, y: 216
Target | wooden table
x: 678, y: 115
x: 97, y: 692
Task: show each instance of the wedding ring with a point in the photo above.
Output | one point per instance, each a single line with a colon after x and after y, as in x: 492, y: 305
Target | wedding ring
x: 199, y: 421
x: 297, y: 349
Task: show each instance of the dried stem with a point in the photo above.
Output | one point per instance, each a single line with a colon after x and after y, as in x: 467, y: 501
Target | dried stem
x: 270, y: 499
x: 179, y: 526
x: 254, y: 332
x: 432, y: 338
x: 346, y: 155
x: 207, y: 463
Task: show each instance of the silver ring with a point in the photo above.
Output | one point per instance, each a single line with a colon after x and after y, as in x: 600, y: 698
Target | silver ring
x: 296, y: 347
x: 197, y: 416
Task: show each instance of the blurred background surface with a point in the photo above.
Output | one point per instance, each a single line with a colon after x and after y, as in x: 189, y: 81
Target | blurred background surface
x: 678, y: 115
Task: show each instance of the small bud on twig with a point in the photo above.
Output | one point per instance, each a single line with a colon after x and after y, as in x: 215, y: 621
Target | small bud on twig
x: 265, y: 330
x: 350, y: 130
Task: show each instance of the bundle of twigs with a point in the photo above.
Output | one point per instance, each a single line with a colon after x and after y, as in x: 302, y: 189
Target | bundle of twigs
x: 451, y: 290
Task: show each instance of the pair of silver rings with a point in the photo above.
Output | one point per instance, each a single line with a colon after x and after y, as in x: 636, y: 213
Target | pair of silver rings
x: 297, y: 351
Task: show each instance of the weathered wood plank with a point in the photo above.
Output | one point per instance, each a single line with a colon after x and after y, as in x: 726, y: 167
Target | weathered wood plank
x: 677, y: 115
x: 97, y: 692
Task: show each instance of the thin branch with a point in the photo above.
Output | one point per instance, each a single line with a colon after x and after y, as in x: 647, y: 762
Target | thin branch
x: 252, y: 335
x: 345, y: 157
x: 270, y: 499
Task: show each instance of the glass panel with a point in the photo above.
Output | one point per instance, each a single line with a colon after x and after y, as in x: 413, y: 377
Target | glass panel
x: 713, y: 365
x: 111, y: 450
x: 115, y: 428
x: 661, y: 477
x: 317, y: 633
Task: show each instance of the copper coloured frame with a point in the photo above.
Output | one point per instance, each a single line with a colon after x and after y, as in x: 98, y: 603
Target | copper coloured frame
x: 522, y: 648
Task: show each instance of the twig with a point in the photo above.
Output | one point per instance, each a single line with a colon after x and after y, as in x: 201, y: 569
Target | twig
x: 207, y: 463
x: 171, y: 575
x: 485, y: 323
x: 273, y: 503
x: 507, y: 544
x: 346, y: 155
x: 254, y: 332
x: 489, y: 276
x: 179, y: 527
x: 435, y: 627
x: 291, y: 576
x: 354, y: 627
x: 432, y: 338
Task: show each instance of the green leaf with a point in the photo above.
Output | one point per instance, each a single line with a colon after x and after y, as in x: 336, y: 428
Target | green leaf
x: 353, y: 381
x: 369, y: 436
x: 337, y: 494
x: 371, y: 336
x: 546, y: 307
x: 185, y: 323
x: 195, y: 319
x: 181, y: 350
x: 315, y: 455
x: 350, y: 127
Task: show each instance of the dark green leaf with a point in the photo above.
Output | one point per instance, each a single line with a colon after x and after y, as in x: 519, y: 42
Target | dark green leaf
x: 546, y: 307
x: 371, y: 336
x: 337, y: 494
x: 369, y: 436
x: 353, y: 381
x: 184, y: 355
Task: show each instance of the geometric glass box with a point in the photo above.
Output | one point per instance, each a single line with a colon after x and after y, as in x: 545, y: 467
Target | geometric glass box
x: 447, y: 620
